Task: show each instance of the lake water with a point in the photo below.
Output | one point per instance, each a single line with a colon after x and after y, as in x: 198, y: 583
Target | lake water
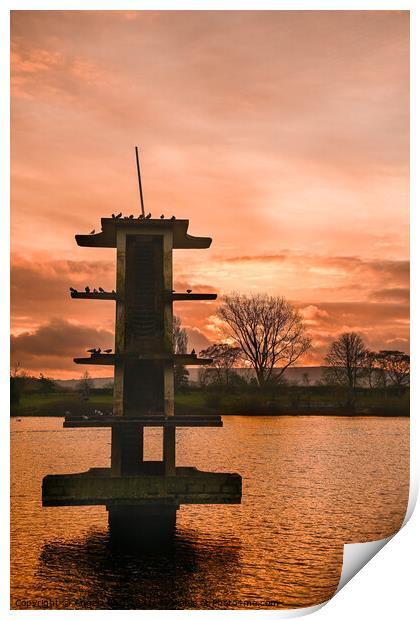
x: 310, y: 484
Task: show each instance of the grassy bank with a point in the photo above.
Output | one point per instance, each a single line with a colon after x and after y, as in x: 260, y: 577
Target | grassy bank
x: 57, y: 404
x: 367, y: 403
x: 260, y: 404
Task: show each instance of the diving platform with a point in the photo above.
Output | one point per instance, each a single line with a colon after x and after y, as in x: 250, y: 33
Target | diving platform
x: 142, y: 497
x: 171, y: 296
x: 107, y: 238
x: 98, y: 295
x: 110, y: 359
x: 96, y: 421
x: 193, y: 296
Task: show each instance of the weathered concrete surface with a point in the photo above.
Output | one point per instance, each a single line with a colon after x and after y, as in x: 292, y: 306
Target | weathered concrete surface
x: 98, y: 486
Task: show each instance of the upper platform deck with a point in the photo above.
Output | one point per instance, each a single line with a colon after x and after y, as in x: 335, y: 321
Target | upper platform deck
x: 107, y: 238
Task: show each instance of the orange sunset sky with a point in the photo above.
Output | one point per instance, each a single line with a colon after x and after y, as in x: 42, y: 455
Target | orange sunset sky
x: 282, y: 135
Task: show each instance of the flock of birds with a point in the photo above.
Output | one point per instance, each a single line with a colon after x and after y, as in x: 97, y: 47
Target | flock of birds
x: 87, y: 290
x: 119, y: 216
x: 96, y: 413
x: 101, y: 290
x: 98, y: 351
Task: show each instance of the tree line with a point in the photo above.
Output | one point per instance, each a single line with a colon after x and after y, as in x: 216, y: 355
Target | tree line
x: 267, y: 335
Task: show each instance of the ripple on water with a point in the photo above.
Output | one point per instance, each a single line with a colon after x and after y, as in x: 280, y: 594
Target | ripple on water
x: 310, y: 484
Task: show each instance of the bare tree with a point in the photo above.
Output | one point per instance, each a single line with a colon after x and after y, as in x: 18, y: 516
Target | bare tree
x: 181, y: 374
x: 395, y: 366
x: 84, y: 385
x: 18, y: 381
x: 224, y: 358
x: 346, y: 358
x: 371, y: 371
x: 17, y: 371
x: 268, y: 330
x: 180, y: 336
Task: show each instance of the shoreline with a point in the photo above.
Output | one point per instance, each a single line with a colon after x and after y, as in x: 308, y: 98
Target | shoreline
x: 199, y: 403
x: 317, y: 413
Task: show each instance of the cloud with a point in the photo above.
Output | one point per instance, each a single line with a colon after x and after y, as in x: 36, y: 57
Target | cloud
x: 401, y: 295
x: 291, y: 153
x: 53, y: 346
x: 52, y: 73
x: 259, y: 258
x: 181, y: 286
x: 196, y: 339
x: 394, y: 270
x: 40, y: 288
x: 380, y: 324
x: 314, y: 315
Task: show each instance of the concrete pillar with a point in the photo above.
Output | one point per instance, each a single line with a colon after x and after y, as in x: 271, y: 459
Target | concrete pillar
x: 168, y: 376
x: 119, y: 325
x: 168, y: 388
x: 126, y: 450
x: 169, y: 450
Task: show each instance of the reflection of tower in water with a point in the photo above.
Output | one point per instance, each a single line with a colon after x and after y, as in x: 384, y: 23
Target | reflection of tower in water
x: 188, y: 573
x: 142, y: 497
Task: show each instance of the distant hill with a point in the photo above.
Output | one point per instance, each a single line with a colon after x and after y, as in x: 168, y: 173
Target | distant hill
x: 292, y: 375
x: 71, y: 384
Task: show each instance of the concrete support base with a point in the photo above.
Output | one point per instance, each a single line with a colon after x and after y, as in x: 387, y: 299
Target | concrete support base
x: 99, y: 486
x: 142, y: 526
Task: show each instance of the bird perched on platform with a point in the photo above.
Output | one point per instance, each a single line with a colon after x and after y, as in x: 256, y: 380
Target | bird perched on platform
x: 193, y: 352
x: 131, y: 217
x: 95, y: 290
x: 148, y: 216
x: 162, y: 217
x: 94, y: 351
x: 118, y: 216
x: 113, y: 216
x: 113, y: 292
x: 189, y: 290
x: 92, y: 232
x: 73, y: 290
x: 107, y: 350
x: 100, y: 289
x: 141, y: 216
x: 87, y: 289
x: 173, y: 217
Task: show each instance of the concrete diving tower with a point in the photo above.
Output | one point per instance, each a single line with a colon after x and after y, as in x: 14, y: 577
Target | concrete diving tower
x: 142, y: 497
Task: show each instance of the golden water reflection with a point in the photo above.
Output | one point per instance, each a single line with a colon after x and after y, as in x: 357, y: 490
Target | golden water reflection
x: 310, y: 484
